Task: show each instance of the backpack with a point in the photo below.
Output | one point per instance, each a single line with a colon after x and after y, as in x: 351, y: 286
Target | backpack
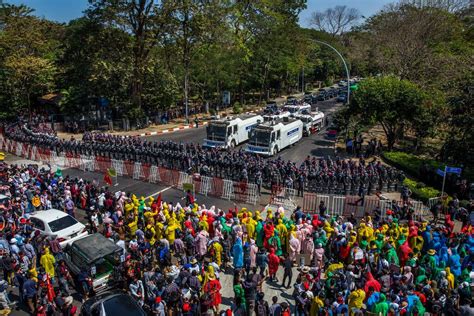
x: 261, y: 308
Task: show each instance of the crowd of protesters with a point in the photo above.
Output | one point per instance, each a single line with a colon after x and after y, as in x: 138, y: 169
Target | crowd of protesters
x: 176, y: 255
x: 321, y: 175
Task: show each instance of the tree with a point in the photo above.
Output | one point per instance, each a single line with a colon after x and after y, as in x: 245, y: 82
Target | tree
x: 141, y: 19
x: 390, y: 102
x: 29, y: 49
x: 335, y: 21
x: 448, y: 5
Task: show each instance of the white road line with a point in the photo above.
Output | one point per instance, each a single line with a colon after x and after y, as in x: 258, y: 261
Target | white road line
x: 155, y: 194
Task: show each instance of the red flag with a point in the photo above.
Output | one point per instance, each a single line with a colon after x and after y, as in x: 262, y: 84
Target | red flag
x: 107, y: 179
x: 158, y: 201
x: 49, y: 286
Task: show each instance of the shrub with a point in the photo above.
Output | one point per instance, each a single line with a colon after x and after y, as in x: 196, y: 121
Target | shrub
x: 409, y: 162
x: 237, y: 108
x: 212, y: 112
x: 420, y: 190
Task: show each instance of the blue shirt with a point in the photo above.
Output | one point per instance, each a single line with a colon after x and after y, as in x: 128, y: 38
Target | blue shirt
x: 29, y: 289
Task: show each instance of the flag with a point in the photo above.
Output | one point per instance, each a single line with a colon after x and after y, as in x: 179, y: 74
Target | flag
x: 49, y: 286
x: 58, y: 173
x: 158, y: 201
x: 107, y: 178
x: 112, y: 172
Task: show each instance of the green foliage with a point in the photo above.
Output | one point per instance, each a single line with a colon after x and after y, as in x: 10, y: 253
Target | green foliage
x: 420, y: 190
x: 237, y: 108
x: 388, y: 101
x: 409, y: 162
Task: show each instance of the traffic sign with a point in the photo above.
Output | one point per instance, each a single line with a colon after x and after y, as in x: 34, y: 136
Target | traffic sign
x: 453, y: 170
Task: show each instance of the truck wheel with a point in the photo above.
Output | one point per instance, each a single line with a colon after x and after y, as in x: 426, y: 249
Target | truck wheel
x: 232, y: 144
x: 275, y: 151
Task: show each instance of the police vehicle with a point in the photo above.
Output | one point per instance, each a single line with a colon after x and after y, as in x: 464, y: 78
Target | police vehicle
x: 313, y: 122
x: 297, y: 108
x: 269, y: 138
x: 230, y: 131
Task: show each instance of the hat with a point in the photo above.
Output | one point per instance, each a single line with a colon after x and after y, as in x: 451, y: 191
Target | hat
x: 305, y: 269
x: 13, y: 241
x: 158, y: 299
x: 193, y: 261
x: 431, y: 252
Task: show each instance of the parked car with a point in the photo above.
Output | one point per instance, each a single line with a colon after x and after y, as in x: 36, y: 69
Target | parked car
x: 97, y: 255
x: 112, y: 303
x: 342, y: 98
x: 59, y: 224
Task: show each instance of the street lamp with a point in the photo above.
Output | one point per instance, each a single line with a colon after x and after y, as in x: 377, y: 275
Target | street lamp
x: 345, y: 66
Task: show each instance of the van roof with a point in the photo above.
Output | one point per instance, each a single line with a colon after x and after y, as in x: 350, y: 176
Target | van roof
x: 95, y: 246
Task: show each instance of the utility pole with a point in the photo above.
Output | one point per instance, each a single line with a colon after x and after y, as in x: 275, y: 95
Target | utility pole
x: 345, y: 66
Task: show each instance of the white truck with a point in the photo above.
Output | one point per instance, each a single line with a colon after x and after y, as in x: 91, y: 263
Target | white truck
x: 312, y: 122
x: 269, y: 138
x: 297, y: 108
x: 230, y: 131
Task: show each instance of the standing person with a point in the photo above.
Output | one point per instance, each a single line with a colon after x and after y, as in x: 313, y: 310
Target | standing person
x: 196, y: 121
x: 261, y: 306
x: 273, y: 262
x: 275, y: 309
x: 287, y: 272
x: 30, y: 289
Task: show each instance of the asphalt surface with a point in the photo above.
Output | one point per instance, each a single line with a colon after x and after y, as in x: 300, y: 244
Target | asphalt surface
x: 315, y: 145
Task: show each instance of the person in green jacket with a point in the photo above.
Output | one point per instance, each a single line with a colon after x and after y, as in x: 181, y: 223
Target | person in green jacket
x: 382, y: 306
x: 391, y: 255
x: 276, y: 243
x: 239, y: 291
x: 259, y: 234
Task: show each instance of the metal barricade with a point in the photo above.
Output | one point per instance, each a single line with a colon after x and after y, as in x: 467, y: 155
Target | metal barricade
x: 371, y: 203
x: 310, y: 203
x: 419, y: 209
x: 154, y: 175
x: 252, y: 193
x: 19, y: 149
x: 228, y: 191
x: 205, y: 186
x: 217, y: 188
x: 137, y: 171
x: 118, y: 166
x: 146, y: 171
x: 87, y: 163
x: 129, y: 168
x: 433, y: 201
x: 240, y: 191
x: 337, y: 205
x: 385, y: 205
x: 183, y: 178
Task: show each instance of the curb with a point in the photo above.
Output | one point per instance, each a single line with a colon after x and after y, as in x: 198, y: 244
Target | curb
x: 169, y: 130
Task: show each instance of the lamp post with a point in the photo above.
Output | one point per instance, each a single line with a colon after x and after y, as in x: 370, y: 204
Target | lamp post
x: 345, y: 66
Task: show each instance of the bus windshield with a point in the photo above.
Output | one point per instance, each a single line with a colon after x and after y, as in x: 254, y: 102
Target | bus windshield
x: 216, y: 132
x: 260, y: 138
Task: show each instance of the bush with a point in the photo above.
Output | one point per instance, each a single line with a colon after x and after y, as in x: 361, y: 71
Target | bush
x: 420, y: 190
x: 212, y: 112
x: 237, y: 108
x: 409, y: 162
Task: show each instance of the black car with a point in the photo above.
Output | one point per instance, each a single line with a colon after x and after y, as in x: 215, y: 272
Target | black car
x: 322, y: 96
x: 112, y: 303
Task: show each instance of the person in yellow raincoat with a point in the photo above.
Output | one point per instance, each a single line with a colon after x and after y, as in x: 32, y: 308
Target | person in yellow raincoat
x: 450, y: 278
x: 216, y: 249
x: 150, y: 231
x: 282, y: 233
x: 159, y: 230
x: 133, y: 226
x: 316, y: 304
x: 170, y: 232
x: 47, y: 261
x: 250, y: 226
x: 328, y: 229
x: 356, y: 299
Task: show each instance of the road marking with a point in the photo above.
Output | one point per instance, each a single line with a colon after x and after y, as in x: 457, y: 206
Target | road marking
x: 155, y: 194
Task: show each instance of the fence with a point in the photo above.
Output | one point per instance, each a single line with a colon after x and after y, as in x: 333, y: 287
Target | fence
x: 223, y: 188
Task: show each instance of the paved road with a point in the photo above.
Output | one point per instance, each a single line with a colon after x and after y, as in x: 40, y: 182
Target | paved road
x: 315, y: 145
